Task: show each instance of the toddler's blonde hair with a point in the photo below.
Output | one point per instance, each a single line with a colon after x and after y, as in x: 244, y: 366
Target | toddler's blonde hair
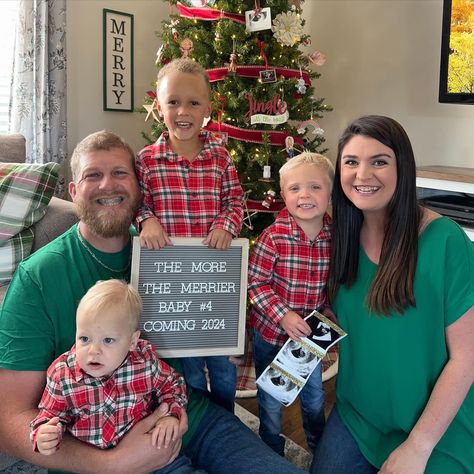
x: 307, y: 158
x: 107, y: 294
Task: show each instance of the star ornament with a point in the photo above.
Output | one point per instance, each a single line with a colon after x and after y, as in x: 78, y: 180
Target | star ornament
x: 151, y: 109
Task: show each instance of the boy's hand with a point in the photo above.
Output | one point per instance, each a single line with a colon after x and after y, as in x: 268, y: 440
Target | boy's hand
x: 49, y: 436
x: 218, y: 239
x: 164, y: 409
x: 152, y: 235
x: 295, y: 326
x: 164, y: 432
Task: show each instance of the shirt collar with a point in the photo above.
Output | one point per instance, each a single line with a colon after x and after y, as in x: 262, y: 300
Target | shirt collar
x: 204, y: 135
x: 284, y: 218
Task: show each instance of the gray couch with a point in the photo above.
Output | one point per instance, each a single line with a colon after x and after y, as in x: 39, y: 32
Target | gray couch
x: 59, y: 216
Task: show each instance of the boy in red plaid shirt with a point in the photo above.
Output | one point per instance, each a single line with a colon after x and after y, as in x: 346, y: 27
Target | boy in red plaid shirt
x: 110, y: 379
x: 288, y: 270
x: 190, y: 189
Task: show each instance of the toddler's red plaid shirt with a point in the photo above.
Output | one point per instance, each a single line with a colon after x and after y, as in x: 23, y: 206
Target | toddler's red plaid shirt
x: 287, y: 272
x: 100, y: 411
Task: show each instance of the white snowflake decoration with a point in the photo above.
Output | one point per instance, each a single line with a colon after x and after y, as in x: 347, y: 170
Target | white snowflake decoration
x: 287, y: 28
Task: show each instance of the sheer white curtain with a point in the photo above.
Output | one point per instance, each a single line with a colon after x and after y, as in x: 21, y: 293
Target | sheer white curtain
x: 8, y: 15
x: 38, y: 100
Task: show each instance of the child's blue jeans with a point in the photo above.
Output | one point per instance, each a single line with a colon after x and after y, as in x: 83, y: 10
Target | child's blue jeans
x: 311, y: 400
x: 222, y: 378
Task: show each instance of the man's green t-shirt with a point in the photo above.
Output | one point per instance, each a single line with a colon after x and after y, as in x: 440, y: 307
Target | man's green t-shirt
x: 389, y: 365
x: 38, y: 314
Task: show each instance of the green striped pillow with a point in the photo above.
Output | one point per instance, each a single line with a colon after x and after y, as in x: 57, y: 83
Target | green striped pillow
x: 25, y: 192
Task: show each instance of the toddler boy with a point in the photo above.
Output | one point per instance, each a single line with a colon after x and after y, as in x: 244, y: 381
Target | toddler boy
x: 110, y: 379
x: 288, y: 270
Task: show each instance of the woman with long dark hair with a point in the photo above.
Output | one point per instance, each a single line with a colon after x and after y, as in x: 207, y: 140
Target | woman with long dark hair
x: 401, y: 284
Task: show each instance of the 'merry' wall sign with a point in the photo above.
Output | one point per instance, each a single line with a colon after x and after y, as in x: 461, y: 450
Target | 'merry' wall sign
x: 118, y: 60
x: 194, y: 298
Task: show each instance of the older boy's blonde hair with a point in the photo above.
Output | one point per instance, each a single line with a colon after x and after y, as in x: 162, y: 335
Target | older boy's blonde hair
x: 307, y: 158
x: 98, y: 141
x: 186, y: 65
x: 107, y: 294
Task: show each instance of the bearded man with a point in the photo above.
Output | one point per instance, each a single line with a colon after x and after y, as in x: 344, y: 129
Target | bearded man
x: 37, y: 324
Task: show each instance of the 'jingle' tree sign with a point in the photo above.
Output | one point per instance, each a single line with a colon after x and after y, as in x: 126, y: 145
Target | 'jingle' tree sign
x: 194, y: 298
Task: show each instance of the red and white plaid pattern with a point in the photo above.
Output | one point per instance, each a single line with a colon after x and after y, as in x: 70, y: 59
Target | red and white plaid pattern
x: 190, y: 198
x: 100, y: 411
x: 287, y: 272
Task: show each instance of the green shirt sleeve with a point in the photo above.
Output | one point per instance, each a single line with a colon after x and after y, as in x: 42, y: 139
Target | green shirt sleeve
x: 459, y: 275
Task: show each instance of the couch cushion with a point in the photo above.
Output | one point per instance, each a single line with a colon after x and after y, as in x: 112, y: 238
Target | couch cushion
x: 12, y: 148
x: 25, y: 192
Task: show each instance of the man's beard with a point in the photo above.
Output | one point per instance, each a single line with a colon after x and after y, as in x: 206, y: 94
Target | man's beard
x: 106, y: 223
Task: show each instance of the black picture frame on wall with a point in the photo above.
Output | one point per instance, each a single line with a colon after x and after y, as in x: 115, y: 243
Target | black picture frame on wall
x: 118, y: 73
x: 450, y: 58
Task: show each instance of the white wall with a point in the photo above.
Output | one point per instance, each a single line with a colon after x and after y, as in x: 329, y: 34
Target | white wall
x: 383, y: 58
x: 84, y: 75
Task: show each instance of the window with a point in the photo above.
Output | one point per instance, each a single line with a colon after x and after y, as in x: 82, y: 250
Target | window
x: 8, y: 20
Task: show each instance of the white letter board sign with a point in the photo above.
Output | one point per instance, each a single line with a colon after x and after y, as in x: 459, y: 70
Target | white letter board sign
x: 194, y: 298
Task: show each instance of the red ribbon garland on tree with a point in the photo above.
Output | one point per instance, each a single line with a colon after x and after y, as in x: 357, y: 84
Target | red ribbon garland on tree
x: 220, y: 73
x: 209, y: 14
x: 252, y: 136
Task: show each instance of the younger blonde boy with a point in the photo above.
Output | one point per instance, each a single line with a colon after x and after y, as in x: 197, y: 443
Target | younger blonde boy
x: 110, y: 379
x: 288, y: 271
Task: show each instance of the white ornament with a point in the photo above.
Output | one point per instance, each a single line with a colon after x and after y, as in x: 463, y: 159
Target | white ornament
x: 287, y: 28
x: 159, y: 55
x: 267, y: 172
x: 202, y: 3
x: 300, y: 86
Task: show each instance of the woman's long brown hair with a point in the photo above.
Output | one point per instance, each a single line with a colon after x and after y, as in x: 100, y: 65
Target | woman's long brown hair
x: 392, y: 287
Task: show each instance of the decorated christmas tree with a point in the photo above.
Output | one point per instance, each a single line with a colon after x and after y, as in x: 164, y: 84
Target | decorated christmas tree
x: 261, y: 67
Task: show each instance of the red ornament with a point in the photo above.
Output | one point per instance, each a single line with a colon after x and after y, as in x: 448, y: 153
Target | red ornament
x: 269, y: 199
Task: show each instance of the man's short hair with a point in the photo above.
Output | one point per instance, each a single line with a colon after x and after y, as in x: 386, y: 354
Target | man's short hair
x: 97, y: 141
x: 106, y: 294
x: 308, y: 158
x: 186, y: 65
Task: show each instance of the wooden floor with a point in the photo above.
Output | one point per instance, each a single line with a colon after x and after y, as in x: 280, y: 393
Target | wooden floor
x: 292, y: 425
